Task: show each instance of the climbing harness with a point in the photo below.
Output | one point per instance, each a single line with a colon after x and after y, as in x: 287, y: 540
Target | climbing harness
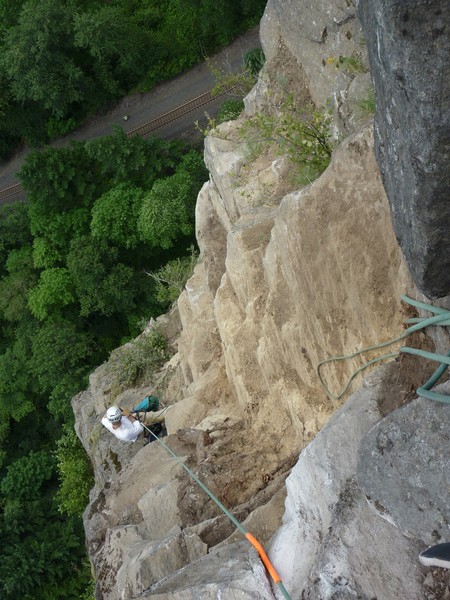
x: 441, y: 316
x: 156, y: 424
x: 253, y: 541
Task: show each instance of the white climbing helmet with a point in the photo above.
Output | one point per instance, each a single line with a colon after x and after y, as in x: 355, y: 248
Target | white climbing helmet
x: 114, y: 414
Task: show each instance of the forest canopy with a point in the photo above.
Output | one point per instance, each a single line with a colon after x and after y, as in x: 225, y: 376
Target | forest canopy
x: 74, y: 285
x: 62, y: 60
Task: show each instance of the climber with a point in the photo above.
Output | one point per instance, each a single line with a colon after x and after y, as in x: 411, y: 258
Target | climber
x: 122, y: 424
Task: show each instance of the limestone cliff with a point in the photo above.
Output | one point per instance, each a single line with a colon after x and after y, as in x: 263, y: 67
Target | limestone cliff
x: 287, y: 276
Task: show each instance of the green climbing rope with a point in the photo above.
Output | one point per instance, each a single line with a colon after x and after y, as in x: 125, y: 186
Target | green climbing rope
x: 239, y: 526
x: 441, y: 317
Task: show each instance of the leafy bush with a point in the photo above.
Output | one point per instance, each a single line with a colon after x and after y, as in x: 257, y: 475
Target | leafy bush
x: 139, y: 360
x: 254, y: 61
x: 229, y: 110
x: 301, y: 134
x: 56, y: 128
x: 75, y: 474
x: 172, y: 277
x: 366, y: 106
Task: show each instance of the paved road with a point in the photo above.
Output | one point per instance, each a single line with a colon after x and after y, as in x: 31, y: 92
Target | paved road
x: 143, y: 108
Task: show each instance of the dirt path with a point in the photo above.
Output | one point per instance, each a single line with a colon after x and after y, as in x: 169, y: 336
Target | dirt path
x: 142, y: 108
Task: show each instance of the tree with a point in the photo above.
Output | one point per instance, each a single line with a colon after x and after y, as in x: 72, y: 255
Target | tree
x: 54, y: 290
x: 59, y: 348
x: 14, y: 229
x: 32, y: 556
x: 119, y: 48
x: 61, y: 185
x: 114, y: 215
x: 167, y: 212
x: 102, y: 284
x: 134, y: 160
x: 15, y: 286
x: 38, y: 57
x: 16, y: 385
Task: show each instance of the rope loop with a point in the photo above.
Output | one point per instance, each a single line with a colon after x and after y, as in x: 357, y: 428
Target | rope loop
x: 441, y: 317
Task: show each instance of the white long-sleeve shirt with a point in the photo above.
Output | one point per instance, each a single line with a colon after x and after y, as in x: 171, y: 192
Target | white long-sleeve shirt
x: 127, y: 432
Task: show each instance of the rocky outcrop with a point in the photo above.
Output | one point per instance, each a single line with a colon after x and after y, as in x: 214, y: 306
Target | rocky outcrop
x: 318, y: 34
x: 402, y: 470
x: 287, y: 277
x: 364, y: 499
x: 408, y: 48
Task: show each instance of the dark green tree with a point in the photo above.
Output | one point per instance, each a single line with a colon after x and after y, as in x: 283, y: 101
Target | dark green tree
x: 102, y: 285
x: 39, y: 60
x: 115, y: 214
x: 167, y: 212
x: 54, y: 290
x: 15, y: 286
x: 39, y: 547
x: 119, y: 48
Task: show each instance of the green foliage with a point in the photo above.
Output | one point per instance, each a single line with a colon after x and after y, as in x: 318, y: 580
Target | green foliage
x: 75, y: 474
x: 54, y: 290
x: 229, y: 110
x: 15, y: 286
x: 45, y: 255
x: 119, y: 49
x: 301, y: 135
x: 167, y: 212
x: 132, y: 159
x: 352, y: 65
x: 17, y: 385
x: 14, y: 229
x: 25, y: 478
x: 39, y: 549
x: 366, y: 106
x: 115, y: 214
x: 49, y: 74
x: 139, y: 360
x: 172, y: 277
x: 102, y: 284
x: 254, y: 61
x: 56, y: 128
x: 59, y: 348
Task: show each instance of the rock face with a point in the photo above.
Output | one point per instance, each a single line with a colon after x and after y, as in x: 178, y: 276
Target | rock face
x: 287, y: 276
x: 364, y: 499
x: 409, y: 46
x: 400, y: 464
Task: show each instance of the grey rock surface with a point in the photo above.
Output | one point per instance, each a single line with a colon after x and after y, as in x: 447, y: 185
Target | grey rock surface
x: 409, y: 45
x: 317, y: 33
x: 404, y: 471
x: 346, y: 549
x: 233, y: 573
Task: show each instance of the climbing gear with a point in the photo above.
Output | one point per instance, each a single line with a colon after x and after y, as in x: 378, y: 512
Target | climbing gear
x: 253, y: 541
x: 441, y: 317
x: 157, y: 430
x: 113, y: 414
x: 149, y: 403
x: 156, y: 423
